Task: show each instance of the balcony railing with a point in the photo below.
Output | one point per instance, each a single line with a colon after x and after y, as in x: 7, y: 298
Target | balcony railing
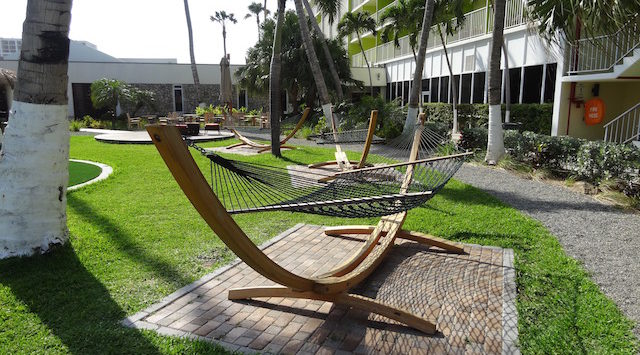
x: 601, y: 54
x: 478, y: 22
x: 624, y: 128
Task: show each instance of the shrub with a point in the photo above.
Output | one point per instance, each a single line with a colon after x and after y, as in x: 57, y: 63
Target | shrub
x: 474, y: 138
x: 532, y: 117
x: 356, y: 116
x: 599, y: 160
x: 75, y: 125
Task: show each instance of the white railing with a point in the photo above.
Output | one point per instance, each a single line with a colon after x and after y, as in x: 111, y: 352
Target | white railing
x: 379, y: 13
x: 478, y: 22
x: 601, y: 54
x: 624, y: 128
x: 356, y: 3
x: 357, y: 60
x: 475, y: 24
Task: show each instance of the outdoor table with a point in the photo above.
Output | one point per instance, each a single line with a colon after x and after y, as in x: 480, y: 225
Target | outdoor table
x: 193, y: 128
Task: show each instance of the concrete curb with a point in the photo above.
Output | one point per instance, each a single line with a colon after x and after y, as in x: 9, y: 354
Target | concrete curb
x: 106, y: 171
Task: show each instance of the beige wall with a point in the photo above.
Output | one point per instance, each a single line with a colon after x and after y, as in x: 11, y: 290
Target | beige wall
x: 618, y: 96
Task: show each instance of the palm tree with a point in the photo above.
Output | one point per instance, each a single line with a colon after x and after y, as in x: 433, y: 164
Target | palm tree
x: 404, y: 18
x: 325, y: 48
x: 414, y: 99
x: 358, y: 23
x: 316, y: 70
x: 255, y: 8
x: 108, y: 93
x: 495, y: 145
x: 275, y: 111
x: 194, y: 68
x: 444, y: 14
x: 34, y: 160
x: 222, y: 17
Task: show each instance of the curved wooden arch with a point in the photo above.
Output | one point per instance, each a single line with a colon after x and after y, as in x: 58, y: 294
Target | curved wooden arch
x: 265, y: 147
x: 330, y: 287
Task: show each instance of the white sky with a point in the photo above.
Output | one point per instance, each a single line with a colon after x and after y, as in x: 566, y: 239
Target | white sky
x: 151, y: 28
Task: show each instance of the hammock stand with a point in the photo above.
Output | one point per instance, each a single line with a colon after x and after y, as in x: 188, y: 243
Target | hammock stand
x: 333, y: 286
x: 265, y: 147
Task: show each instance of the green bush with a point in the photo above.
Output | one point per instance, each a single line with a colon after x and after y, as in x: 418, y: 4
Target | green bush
x: 532, y: 117
x: 75, y: 125
x: 474, y: 138
x: 598, y: 161
x: 390, y: 120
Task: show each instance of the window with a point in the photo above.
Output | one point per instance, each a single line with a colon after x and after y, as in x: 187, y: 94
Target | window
x: 532, y: 84
x: 465, y: 96
x: 425, y: 90
x: 456, y: 80
x: 444, y: 89
x: 9, y: 46
x: 405, y: 97
x: 514, y: 85
x: 469, y: 63
x: 434, y: 90
x: 242, y: 98
x: 388, y: 93
x: 550, y: 82
x: 177, y: 98
x: 478, y: 87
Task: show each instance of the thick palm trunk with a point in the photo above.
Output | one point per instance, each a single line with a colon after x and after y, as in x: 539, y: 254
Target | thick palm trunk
x: 495, y: 145
x: 35, y: 154
x: 325, y: 48
x: 224, y: 39
x: 194, y: 69
x: 414, y: 99
x: 275, y: 109
x: 318, y: 78
x: 454, y: 90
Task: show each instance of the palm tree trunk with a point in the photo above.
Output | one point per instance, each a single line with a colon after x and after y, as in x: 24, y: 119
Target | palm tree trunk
x: 258, y: 24
x: 454, y: 90
x: 275, y: 109
x: 194, y: 68
x: 495, y: 145
x: 315, y: 66
x: 35, y: 154
x: 414, y: 99
x: 364, y: 56
x: 224, y: 39
x: 327, y: 54
x: 265, y: 11
x: 507, y: 85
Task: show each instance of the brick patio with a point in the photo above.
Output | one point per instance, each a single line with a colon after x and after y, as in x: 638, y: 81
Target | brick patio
x: 472, y: 297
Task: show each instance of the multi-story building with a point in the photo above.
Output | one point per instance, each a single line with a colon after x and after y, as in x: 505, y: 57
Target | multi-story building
x: 539, y: 72
x: 172, y: 82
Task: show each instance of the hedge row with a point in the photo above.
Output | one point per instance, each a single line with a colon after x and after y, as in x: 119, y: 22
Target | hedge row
x: 531, y: 117
x: 592, y: 161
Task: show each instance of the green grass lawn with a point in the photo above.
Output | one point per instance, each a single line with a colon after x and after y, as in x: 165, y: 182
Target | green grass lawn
x: 134, y: 238
x: 82, y: 172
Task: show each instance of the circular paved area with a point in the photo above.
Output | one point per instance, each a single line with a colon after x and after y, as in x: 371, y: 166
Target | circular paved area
x: 141, y: 137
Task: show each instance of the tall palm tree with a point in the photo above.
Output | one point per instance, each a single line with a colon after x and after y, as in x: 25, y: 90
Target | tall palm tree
x: 222, y: 17
x: 358, y: 23
x: 325, y: 48
x: 316, y: 70
x: 275, y: 111
x: 495, y: 145
x: 449, y: 17
x: 414, y: 98
x: 404, y: 18
x: 34, y: 159
x: 194, y: 68
x: 255, y: 8
x: 108, y: 93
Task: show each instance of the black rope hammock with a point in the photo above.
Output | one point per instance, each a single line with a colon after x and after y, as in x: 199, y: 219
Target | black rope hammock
x: 376, y: 190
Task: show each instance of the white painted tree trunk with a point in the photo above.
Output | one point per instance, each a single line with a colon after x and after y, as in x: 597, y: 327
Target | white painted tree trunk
x: 495, y: 146
x: 33, y: 179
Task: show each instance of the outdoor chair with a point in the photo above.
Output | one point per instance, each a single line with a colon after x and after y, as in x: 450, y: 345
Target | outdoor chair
x: 132, y: 121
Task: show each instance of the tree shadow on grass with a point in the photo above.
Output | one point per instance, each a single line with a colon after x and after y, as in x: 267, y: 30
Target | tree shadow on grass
x: 72, y: 303
x: 125, y: 243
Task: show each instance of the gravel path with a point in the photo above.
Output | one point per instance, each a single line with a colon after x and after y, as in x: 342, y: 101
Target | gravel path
x: 604, y: 238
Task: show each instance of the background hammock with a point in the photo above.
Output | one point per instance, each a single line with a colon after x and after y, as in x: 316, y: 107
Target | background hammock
x: 373, y: 191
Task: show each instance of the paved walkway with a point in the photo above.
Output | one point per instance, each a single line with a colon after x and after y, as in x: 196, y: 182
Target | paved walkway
x: 142, y: 137
x: 606, y: 239
x: 471, y: 297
